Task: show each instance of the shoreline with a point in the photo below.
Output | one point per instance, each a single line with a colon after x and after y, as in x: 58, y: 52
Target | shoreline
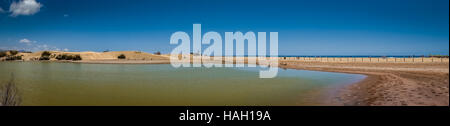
x: 421, y: 86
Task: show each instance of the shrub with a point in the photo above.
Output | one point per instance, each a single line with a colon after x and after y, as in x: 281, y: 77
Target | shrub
x: 2, y: 54
x: 61, y: 57
x: 121, y: 56
x: 77, y: 57
x: 9, y: 94
x: 158, y: 53
x: 46, y: 53
x: 68, y: 57
x: 9, y: 58
x: 13, y: 52
x: 44, y: 58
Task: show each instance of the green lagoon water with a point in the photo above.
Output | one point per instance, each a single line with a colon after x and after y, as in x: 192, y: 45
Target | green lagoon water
x: 44, y: 83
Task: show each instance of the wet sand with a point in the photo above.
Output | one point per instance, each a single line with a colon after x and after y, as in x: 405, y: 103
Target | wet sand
x: 388, y: 84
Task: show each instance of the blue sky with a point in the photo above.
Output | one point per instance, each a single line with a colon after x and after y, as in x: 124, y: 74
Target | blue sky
x: 305, y: 27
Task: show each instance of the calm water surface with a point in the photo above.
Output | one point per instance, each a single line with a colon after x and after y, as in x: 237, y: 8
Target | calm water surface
x: 43, y: 83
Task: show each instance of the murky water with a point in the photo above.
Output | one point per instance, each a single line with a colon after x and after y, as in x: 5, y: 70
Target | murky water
x: 43, y: 83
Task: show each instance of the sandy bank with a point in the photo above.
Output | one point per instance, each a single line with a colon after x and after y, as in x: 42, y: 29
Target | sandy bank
x: 388, y: 84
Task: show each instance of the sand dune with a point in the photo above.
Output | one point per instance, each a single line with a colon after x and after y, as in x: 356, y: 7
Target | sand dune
x: 87, y: 56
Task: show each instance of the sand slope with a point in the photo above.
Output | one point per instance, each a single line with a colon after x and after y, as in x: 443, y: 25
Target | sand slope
x: 130, y: 55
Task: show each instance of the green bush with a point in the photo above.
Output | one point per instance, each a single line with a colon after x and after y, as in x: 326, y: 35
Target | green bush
x: 77, y: 57
x: 46, y: 53
x: 9, y: 58
x: 13, y: 52
x: 61, y: 57
x: 68, y: 57
x: 121, y: 56
x: 2, y: 54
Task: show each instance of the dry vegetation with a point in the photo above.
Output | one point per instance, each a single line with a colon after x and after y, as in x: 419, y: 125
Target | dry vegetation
x: 121, y: 56
x: 10, y: 55
x: 9, y: 94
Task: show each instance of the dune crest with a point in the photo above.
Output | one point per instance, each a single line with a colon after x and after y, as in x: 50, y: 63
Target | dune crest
x: 130, y: 55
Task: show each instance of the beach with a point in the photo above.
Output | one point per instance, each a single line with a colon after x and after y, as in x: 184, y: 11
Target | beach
x: 388, y: 84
